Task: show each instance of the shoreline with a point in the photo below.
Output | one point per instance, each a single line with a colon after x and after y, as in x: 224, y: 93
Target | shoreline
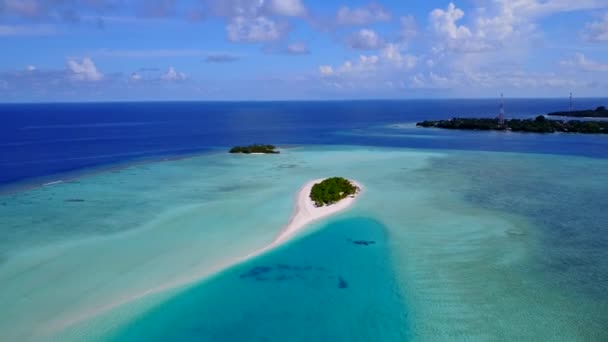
x: 304, y: 213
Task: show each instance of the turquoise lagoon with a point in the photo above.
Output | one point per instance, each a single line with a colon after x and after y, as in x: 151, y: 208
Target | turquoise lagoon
x: 460, y: 246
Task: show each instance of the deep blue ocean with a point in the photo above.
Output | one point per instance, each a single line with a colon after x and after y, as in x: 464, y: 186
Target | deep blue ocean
x: 39, y: 141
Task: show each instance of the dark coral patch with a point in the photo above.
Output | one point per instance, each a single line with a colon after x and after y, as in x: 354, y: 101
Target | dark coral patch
x: 342, y: 284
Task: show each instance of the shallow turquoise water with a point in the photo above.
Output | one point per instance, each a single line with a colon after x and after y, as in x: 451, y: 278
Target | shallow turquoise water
x: 328, y: 286
x: 469, y: 246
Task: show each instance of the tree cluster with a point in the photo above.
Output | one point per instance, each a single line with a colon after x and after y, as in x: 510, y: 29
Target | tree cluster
x: 599, y: 112
x: 538, y: 125
x: 255, y: 148
x: 331, y: 190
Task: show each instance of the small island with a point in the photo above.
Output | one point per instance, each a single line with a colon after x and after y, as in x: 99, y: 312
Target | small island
x: 538, y: 125
x: 332, y: 190
x: 599, y: 112
x: 255, y: 149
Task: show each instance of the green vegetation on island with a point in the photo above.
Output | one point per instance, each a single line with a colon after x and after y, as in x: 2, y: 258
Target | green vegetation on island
x: 538, y: 125
x: 599, y: 112
x: 331, y: 190
x: 255, y: 148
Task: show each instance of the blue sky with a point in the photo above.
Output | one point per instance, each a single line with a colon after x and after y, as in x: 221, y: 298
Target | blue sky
x: 114, y: 50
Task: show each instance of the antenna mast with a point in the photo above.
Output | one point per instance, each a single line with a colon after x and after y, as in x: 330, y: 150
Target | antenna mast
x: 501, y: 112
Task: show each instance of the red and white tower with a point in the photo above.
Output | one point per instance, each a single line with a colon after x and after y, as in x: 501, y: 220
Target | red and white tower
x: 501, y: 112
x: 571, y: 103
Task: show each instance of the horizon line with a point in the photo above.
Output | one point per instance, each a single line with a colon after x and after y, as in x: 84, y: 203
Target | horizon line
x: 298, y: 100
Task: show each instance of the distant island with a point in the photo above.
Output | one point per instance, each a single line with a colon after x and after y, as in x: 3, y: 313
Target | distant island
x: 332, y: 190
x: 538, y: 125
x: 599, y: 112
x: 255, y: 148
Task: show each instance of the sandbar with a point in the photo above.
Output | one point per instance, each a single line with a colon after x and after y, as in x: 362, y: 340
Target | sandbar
x: 304, y: 213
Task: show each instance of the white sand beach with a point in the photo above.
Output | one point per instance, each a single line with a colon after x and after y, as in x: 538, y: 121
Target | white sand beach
x: 305, y: 212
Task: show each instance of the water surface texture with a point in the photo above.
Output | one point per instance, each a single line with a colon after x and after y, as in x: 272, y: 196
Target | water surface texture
x: 45, y: 140
x: 475, y: 241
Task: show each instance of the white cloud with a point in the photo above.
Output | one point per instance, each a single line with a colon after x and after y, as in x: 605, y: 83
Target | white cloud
x: 84, y: 70
x: 135, y: 77
x: 326, y: 70
x: 366, y: 62
x: 444, y: 22
x: 579, y: 61
x: 597, y: 31
x: 500, y: 23
x: 297, y: 48
x: 356, y: 68
x: 30, y: 68
x: 452, y: 35
x: 259, y: 29
x: 408, y: 29
x: 396, y: 58
x: 365, y: 39
x: 520, y: 82
x: 390, y: 62
x: 362, y: 15
x: 417, y: 81
x: 536, y: 8
x: 256, y: 20
x: 255, y: 8
x: 173, y: 75
x: 288, y: 8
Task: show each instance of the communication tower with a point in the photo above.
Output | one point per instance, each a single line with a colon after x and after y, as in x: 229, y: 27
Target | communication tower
x: 501, y: 112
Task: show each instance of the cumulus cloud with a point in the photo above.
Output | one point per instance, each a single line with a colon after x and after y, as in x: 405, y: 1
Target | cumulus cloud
x: 536, y: 8
x: 85, y: 70
x: 444, y: 22
x: 580, y: 62
x: 251, y: 30
x: 253, y: 21
x: 365, y: 39
x: 395, y: 57
x: 135, y: 77
x: 173, y: 75
x: 493, y: 81
x: 77, y: 77
x: 255, y: 8
x: 501, y: 21
x: 597, y: 31
x: 391, y: 61
x: 451, y: 34
x: 326, y: 70
x: 408, y: 28
x: 155, y: 76
x: 387, y: 70
x: 288, y: 8
x: 369, y: 14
